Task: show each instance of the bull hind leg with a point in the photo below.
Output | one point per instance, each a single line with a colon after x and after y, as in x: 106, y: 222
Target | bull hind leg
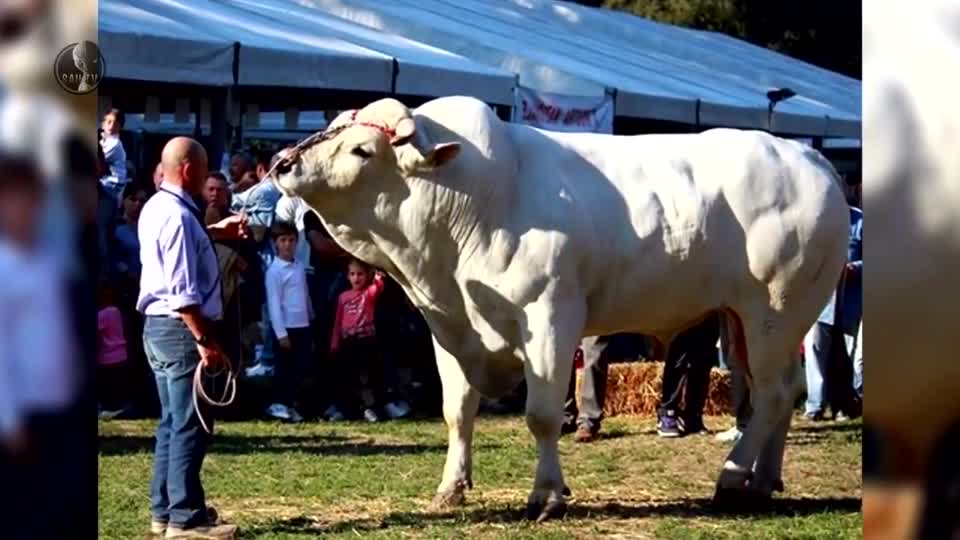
x: 768, y: 470
x: 772, y: 395
x: 460, y: 404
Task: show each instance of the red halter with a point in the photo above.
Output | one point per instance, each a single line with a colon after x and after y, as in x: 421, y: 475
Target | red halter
x: 383, y: 129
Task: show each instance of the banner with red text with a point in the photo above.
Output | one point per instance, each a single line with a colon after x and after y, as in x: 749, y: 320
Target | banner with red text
x: 557, y: 112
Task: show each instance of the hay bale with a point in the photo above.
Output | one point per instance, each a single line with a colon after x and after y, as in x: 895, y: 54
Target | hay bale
x: 634, y: 388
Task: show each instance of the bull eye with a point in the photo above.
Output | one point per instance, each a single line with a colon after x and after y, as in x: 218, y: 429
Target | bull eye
x: 360, y: 152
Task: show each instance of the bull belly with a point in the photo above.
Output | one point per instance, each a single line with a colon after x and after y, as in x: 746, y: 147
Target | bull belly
x: 495, y: 379
x: 647, y: 314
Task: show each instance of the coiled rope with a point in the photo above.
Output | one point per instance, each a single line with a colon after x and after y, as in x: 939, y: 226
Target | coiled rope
x: 200, y: 393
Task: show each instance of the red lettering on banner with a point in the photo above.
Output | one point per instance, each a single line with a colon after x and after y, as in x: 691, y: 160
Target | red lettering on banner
x: 535, y: 111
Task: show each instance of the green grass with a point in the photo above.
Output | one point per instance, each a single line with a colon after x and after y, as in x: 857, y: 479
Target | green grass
x: 349, y: 480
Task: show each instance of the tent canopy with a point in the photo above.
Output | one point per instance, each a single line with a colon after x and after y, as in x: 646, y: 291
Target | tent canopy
x: 140, y: 44
x: 480, y: 48
x: 421, y: 69
x: 659, y: 71
x: 281, y: 44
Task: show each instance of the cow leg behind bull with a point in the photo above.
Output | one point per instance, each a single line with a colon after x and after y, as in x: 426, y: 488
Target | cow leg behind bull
x: 460, y: 404
x: 550, y: 351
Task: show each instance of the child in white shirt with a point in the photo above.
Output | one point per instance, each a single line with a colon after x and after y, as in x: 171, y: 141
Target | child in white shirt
x: 290, y: 309
x: 115, y: 178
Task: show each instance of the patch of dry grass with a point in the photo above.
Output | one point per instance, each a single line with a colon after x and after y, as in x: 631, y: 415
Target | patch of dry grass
x: 344, y: 480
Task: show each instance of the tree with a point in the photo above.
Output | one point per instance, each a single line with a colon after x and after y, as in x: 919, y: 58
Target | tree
x: 822, y: 32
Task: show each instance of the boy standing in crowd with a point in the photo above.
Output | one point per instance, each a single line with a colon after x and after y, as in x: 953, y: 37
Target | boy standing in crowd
x: 290, y: 309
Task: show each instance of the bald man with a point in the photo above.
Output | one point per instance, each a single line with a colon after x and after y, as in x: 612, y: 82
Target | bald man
x: 180, y: 298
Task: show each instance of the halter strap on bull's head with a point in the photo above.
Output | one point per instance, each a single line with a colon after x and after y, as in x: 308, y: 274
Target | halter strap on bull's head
x: 387, y: 115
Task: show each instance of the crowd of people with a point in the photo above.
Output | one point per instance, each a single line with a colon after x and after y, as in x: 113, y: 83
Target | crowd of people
x: 298, y: 311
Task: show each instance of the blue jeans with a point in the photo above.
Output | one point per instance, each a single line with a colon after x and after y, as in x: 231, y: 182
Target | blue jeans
x: 816, y: 356
x: 176, y: 493
x: 821, y: 388
x: 269, y: 338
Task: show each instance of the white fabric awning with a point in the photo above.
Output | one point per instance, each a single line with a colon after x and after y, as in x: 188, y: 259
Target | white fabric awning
x: 271, y: 54
x: 659, y: 71
x: 139, y: 44
x: 421, y: 69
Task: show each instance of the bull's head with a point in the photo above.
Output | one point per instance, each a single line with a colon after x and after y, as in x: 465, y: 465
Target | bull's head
x: 364, y: 151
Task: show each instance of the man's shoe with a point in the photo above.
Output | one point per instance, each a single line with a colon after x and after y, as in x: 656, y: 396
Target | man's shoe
x: 258, y: 370
x: 814, y: 416
x: 332, y: 414
x: 668, y: 426
x: 158, y: 528
x: 207, y: 531
x: 370, y: 416
x: 279, y: 411
x: 394, y: 411
x: 731, y: 435
x: 295, y: 416
x: 585, y: 434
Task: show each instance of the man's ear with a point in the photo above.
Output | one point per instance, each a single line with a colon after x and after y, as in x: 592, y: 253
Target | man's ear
x: 441, y: 154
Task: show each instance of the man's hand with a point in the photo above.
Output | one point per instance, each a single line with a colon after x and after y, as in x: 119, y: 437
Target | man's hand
x: 230, y: 228
x: 285, y: 342
x: 211, y: 357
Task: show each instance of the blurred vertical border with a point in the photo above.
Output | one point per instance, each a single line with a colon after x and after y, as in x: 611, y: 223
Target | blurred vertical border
x: 57, y: 131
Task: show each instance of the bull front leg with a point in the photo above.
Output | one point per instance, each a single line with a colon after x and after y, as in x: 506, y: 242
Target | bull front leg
x: 460, y: 404
x: 556, y: 331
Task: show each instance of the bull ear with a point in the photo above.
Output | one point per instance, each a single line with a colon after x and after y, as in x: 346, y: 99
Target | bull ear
x: 404, y: 132
x: 441, y: 154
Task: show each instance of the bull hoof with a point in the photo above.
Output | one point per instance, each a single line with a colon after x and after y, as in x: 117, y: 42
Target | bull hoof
x: 445, y: 500
x: 778, y: 486
x: 541, y: 513
x: 740, y: 500
x: 566, y: 491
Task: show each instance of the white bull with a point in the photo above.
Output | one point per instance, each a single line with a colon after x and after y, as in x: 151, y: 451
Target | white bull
x: 515, y: 243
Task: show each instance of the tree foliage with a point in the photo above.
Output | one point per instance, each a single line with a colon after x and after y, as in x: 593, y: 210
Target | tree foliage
x: 824, y: 33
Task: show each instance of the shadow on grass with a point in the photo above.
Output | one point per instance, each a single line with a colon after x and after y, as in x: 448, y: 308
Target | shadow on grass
x: 503, y: 514
x: 844, y: 427
x: 321, y: 445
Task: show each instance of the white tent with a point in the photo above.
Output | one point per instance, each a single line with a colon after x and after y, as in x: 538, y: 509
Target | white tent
x: 274, y: 54
x: 280, y: 45
x: 421, y: 69
x: 139, y: 44
x: 659, y: 71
